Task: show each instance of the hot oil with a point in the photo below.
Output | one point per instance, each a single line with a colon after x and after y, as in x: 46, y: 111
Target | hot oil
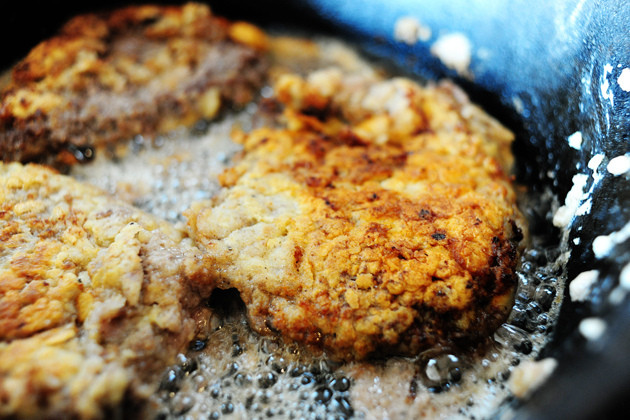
x: 235, y: 373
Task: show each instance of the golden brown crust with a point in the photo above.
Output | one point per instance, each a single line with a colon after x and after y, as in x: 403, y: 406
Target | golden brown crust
x: 139, y: 70
x: 94, y: 296
x: 379, y: 222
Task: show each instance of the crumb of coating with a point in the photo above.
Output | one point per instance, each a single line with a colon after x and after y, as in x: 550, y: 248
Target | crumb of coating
x: 378, y: 221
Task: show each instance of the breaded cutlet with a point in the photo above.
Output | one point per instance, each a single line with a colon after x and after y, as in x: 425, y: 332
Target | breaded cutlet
x: 141, y: 70
x: 96, y: 297
x: 379, y: 220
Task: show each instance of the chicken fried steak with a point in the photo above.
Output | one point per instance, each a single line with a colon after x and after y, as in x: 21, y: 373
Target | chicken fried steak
x: 136, y: 71
x: 95, y: 296
x: 378, y: 221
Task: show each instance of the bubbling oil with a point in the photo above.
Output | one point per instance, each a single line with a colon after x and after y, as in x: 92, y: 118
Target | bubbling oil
x: 235, y: 373
x: 252, y: 378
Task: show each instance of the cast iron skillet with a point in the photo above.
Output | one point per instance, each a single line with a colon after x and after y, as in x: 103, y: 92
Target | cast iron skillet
x: 557, y: 63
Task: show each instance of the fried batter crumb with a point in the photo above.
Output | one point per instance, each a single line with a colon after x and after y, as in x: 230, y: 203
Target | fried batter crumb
x: 380, y: 220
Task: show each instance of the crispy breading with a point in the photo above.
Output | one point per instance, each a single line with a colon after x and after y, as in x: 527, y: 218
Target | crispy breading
x: 140, y: 70
x: 95, y: 296
x: 379, y: 221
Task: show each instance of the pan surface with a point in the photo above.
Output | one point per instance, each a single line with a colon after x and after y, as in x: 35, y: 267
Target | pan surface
x: 548, y: 72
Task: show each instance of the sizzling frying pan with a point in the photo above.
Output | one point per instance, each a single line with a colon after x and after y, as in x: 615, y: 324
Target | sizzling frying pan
x: 546, y: 70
